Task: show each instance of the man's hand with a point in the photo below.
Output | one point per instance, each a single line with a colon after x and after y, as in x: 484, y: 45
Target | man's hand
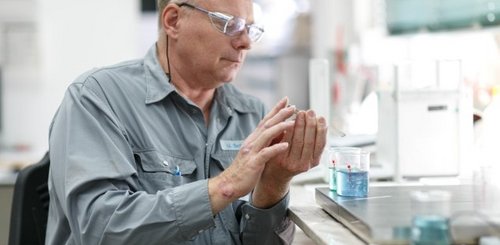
x: 258, y: 148
x: 306, y: 143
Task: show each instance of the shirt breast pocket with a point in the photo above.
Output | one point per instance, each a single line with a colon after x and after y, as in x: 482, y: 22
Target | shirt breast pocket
x: 159, y: 171
x: 224, y: 159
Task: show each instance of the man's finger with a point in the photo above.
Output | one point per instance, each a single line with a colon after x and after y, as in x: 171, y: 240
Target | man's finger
x: 281, y: 116
x: 298, y: 136
x: 321, y: 138
x: 269, y: 152
x: 309, y: 137
x: 280, y: 105
x: 269, y: 134
x: 262, y: 124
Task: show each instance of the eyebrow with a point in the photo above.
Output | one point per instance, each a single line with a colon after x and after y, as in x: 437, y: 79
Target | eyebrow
x: 247, y: 22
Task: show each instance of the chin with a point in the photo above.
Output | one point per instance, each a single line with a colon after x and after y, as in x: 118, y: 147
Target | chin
x: 229, y: 76
x: 227, y: 79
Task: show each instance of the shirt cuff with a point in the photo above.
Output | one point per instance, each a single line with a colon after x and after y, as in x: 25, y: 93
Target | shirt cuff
x: 192, y: 208
x: 264, y: 220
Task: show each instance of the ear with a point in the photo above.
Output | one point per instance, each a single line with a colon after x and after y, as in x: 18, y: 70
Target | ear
x: 170, y: 20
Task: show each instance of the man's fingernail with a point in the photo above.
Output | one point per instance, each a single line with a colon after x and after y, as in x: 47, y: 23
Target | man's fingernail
x: 322, y: 122
x: 285, y: 99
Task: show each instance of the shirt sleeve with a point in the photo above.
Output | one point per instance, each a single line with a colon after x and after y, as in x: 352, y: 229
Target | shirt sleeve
x: 267, y: 226
x: 94, y: 182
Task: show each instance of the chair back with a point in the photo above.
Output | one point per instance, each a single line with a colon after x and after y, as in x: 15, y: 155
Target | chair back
x: 30, y: 204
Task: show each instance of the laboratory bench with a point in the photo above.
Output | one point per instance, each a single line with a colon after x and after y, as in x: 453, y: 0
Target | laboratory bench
x: 378, y: 218
x: 315, y: 223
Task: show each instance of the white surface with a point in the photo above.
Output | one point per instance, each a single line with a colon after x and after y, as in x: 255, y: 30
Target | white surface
x: 319, y: 87
x: 491, y: 240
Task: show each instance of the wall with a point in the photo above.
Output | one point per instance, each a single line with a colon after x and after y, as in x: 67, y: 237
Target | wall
x: 48, y: 48
x: 44, y: 46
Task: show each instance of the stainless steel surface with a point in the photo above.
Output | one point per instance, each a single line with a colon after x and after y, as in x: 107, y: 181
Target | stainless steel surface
x: 384, y: 216
x: 315, y: 222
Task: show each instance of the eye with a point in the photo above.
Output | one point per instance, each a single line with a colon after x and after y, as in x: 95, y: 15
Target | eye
x: 235, y: 25
x: 220, y: 20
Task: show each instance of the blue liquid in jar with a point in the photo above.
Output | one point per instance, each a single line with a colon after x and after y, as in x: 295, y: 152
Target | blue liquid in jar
x: 332, y: 181
x: 352, y: 183
x: 430, y: 230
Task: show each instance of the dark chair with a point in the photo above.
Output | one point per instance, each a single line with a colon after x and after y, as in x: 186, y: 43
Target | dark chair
x: 30, y: 205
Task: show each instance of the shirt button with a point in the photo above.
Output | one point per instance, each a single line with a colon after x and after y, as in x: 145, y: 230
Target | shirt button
x: 200, y: 231
x: 247, y: 216
x: 165, y: 162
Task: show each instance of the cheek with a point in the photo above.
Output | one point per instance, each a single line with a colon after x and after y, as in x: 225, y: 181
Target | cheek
x: 203, y: 45
x: 192, y: 48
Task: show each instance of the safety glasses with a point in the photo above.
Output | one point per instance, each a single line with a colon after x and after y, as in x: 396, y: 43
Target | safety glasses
x: 228, y: 24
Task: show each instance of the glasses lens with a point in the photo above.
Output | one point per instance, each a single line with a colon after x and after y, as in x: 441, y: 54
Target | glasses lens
x: 255, y: 33
x: 235, y: 26
x: 220, y: 21
x: 232, y: 26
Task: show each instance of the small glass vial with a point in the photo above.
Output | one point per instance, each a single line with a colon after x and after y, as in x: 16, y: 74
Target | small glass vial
x: 332, y: 164
x: 351, y: 174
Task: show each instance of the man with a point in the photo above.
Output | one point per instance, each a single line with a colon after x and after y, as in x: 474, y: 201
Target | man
x: 164, y: 150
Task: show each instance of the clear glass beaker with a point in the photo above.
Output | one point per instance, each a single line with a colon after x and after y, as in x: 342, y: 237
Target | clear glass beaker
x: 351, y: 173
x: 430, y: 217
x: 332, y: 162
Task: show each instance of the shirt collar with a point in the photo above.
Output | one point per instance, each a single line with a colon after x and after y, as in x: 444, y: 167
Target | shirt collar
x: 157, y: 82
x: 159, y: 87
x: 231, y: 98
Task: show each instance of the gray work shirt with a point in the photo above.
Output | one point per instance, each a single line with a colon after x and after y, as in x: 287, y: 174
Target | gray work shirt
x: 130, y: 159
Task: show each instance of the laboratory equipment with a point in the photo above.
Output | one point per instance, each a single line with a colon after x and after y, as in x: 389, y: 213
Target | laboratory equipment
x: 351, y: 173
x: 332, y: 182
x: 332, y: 157
x: 337, y: 131
x: 430, y: 217
x: 353, y: 183
x: 424, y: 130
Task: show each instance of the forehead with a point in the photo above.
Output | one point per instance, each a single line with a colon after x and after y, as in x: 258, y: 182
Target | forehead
x: 240, y: 8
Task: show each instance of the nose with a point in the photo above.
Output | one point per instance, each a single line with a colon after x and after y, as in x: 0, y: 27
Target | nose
x: 242, y: 41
